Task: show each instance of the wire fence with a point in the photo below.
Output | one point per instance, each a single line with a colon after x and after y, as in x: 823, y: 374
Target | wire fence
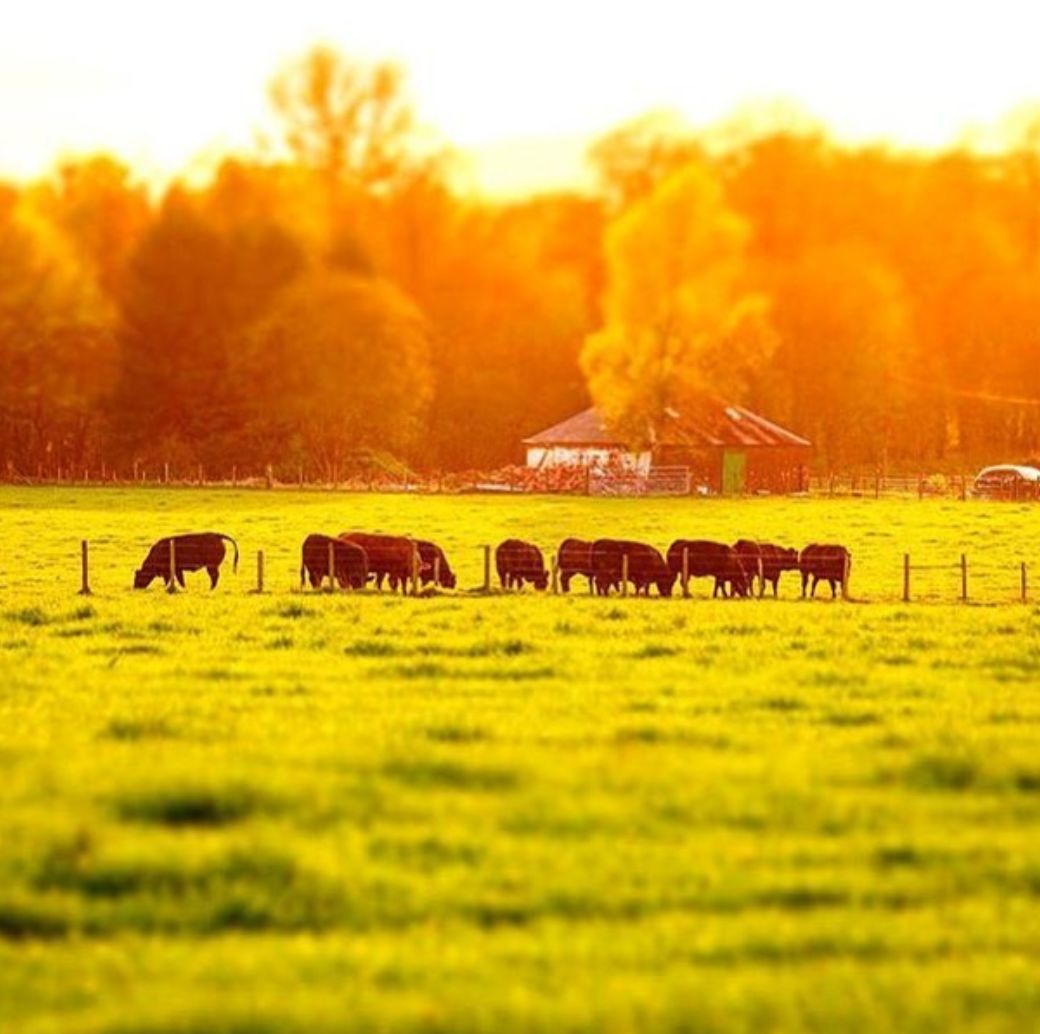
x: 911, y: 581
x: 577, y: 480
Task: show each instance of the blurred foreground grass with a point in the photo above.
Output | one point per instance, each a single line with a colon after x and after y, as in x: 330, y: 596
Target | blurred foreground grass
x: 223, y: 812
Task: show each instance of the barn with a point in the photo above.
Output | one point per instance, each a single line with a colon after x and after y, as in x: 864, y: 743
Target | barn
x: 725, y: 449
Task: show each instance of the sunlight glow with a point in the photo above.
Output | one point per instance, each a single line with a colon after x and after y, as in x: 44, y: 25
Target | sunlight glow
x: 520, y: 87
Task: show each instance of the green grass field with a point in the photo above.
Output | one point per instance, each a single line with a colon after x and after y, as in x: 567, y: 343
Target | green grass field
x: 222, y: 812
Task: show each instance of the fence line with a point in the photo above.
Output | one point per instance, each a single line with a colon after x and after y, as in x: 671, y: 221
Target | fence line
x: 658, y: 481
x: 969, y: 574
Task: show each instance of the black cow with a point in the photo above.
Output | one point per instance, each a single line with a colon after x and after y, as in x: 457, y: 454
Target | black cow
x: 190, y: 553
x: 710, y: 560
x: 393, y: 557
x: 574, y: 557
x: 349, y: 562
x: 517, y: 562
x: 776, y: 560
x: 435, y: 565
x: 825, y: 563
x: 645, y: 564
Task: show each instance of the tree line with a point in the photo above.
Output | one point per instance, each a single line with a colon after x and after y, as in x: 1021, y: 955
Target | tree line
x: 338, y: 302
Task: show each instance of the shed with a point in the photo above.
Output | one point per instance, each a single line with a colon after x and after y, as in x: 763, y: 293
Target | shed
x: 727, y: 448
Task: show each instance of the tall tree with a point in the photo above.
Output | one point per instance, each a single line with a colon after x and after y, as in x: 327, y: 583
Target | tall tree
x: 340, y: 367
x: 56, y: 344
x: 192, y: 290
x: 347, y: 119
x: 679, y: 319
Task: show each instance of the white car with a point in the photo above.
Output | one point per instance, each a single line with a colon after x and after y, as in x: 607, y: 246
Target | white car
x: 1007, y: 481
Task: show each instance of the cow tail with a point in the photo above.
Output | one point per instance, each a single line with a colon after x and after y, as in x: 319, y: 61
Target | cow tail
x: 234, y: 566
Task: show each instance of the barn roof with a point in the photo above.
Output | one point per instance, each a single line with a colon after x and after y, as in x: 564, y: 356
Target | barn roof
x: 584, y: 428
x: 710, y: 424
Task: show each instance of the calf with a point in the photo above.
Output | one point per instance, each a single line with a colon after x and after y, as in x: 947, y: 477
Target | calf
x: 710, y: 560
x: 776, y: 560
x: 389, y: 556
x: 349, y: 562
x: 829, y: 564
x: 435, y: 565
x: 190, y: 553
x: 645, y: 565
x: 574, y: 557
x: 517, y: 562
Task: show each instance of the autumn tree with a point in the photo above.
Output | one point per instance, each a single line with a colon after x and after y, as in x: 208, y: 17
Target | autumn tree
x: 679, y: 320
x: 192, y: 290
x: 101, y: 211
x: 56, y: 343
x: 632, y: 160
x: 338, y: 369
x: 348, y: 119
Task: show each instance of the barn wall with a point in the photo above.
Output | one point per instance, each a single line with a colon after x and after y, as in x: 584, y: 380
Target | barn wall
x: 544, y: 457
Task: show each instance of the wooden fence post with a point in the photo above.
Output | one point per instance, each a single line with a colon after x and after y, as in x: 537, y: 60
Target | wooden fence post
x: 686, y: 572
x: 332, y: 566
x: 84, y: 569
x: 920, y: 487
x: 906, y: 577
x: 234, y: 475
x: 877, y: 486
x: 844, y: 578
x: 1025, y: 592
x: 172, y: 587
x: 436, y: 572
x: 259, y: 571
x: 415, y: 571
x: 487, y: 569
x: 624, y: 574
x: 555, y: 568
x: 166, y: 473
x: 270, y: 476
x: 964, y: 578
x: 964, y: 488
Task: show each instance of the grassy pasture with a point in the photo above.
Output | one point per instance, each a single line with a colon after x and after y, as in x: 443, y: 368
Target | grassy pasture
x: 302, y: 812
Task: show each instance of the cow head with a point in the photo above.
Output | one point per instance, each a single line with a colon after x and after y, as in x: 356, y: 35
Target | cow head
x: 540, y: 580
x: 448, y: 579
x: 143, y: 577
x: 787, y: 559
x: 666, y: 582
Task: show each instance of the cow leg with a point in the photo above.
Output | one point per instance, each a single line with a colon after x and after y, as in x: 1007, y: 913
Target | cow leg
x: 834, y: 588
x: 815, y: 582
x: 565, y: 581
x: 214, y: 575
x: 314, y: 577
x: 180, y: 577
x: 805, y: 583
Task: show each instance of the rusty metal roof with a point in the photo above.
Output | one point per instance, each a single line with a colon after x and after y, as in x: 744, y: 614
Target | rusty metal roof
x: 712, y: 424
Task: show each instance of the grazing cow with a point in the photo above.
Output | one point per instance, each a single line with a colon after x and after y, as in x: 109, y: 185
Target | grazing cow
x: 518, y: 562
x: 829, y: 564
x: 646, y: 567
x: 435, y: 563
x: 350, y: 565
x: 750, y: 554
x: 710, y: 560
x: 389, y: 556
x: 776, y: 560
x: 190, y: 553
x: 574, y: 557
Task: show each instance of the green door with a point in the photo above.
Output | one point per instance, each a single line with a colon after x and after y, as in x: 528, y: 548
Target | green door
x: 734, y: 472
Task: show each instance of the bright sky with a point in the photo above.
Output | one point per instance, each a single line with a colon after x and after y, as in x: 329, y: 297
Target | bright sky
x: 521, y: 86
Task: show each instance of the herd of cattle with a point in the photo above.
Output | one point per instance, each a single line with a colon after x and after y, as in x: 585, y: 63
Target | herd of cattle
x: 355, y: 559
